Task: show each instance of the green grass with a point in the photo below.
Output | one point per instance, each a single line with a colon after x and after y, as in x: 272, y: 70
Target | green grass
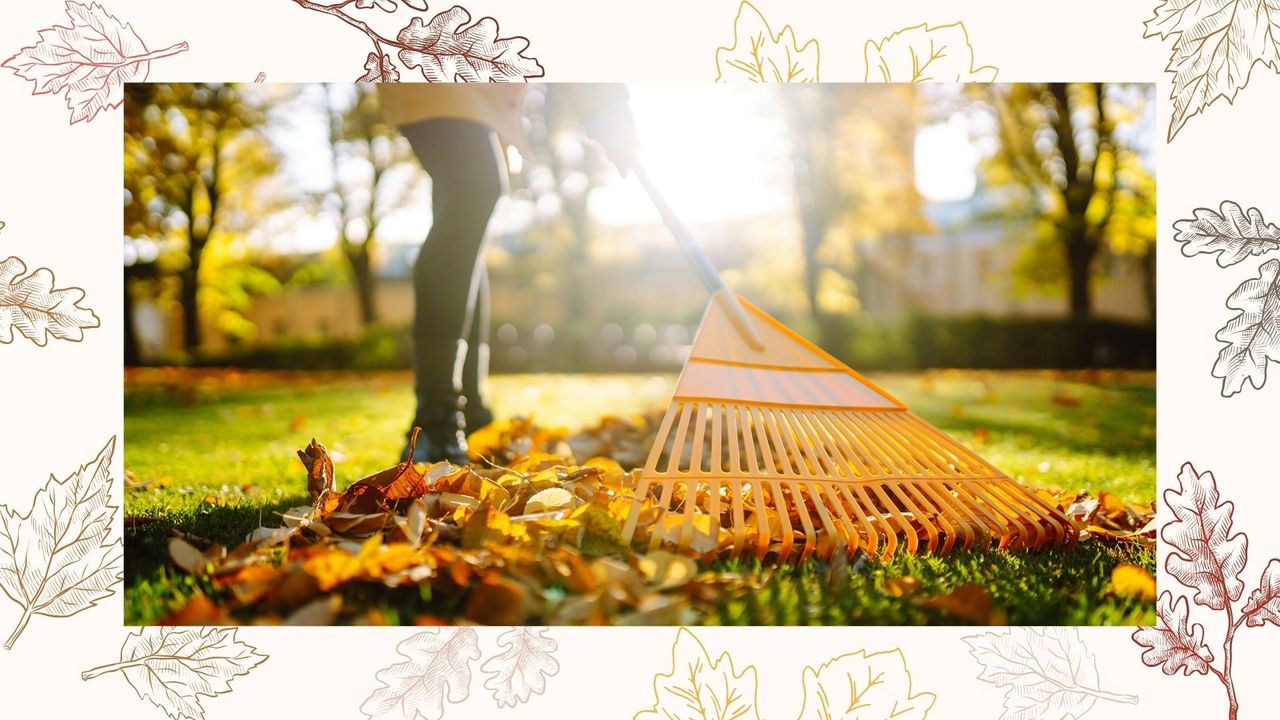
x: 223, y: 451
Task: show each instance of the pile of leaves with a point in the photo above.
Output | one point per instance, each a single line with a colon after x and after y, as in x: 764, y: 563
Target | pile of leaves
x: 525, y: 533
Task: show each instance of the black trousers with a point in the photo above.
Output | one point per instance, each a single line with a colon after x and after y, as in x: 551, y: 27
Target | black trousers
x: 450, y: 283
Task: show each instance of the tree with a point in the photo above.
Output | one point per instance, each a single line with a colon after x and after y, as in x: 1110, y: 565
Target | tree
x: 365, y: 151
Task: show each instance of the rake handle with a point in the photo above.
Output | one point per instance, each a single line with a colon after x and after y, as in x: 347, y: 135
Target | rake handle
x: 699, y: 261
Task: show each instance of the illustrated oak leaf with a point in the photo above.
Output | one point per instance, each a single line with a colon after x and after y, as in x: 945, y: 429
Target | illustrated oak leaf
x: 699, y: 688
x: 1232, y: 233
x: 1264, y: 602
x: 1172, y: 643
x: 1205, y: 555
x: 925, y: 54
x: 173, y: 666
x: 760, y: 55
x: 445, y: 51
x: 1048, y: 672
x: 861, y: 686
x: 523, y: 668
x: 91, y: 60
x: 1216, y: 45
x: 60, y: 558
x: 1253, y: 336
x: 379, y: 69
x: 32, y: 307
x: 438, y: 667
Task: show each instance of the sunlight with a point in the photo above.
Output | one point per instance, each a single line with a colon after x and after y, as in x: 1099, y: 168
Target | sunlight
x: 946, y: 161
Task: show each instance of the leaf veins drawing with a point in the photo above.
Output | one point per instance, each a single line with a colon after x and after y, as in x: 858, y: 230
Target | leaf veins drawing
x: 90, y: 60
x: 31, y: 306
x: 59, y: 558
x: 1252, y: 336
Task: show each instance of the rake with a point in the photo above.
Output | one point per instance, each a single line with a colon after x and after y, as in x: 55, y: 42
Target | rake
x: 785, y: 449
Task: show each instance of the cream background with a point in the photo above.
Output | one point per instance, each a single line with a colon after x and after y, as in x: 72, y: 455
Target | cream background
x: 59, y: 198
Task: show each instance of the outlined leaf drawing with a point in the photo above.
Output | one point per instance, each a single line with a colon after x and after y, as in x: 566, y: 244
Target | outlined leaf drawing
x: 32, y: 307
x: 1174, y: 644
x: 1205, y: 555
x: 921, y: 53
x: 699, y: 688
x: 92, y: 60
x: 379, y: 69
x: 1264, y: 602
x: 1230, y: 232
x: 1048, y: 673
x: 863, y: 686
x: 523, y: 668
x: 1253, y: 336
x: 437, y: 668
x: 60, y: 558
x: 760, y: 55
x: 171, y: 667
x: 445, y: 51
x: 1216, y: 44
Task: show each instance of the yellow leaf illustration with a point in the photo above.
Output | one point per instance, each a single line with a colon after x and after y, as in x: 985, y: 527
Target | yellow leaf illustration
x: 859, y: 686
x: 759, y: 55
x: 699, y: 688
x: 925, y: 54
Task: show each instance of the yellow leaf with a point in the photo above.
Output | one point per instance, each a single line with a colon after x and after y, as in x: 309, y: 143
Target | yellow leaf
x: 878, y: 685
x: 1133, y: 581
x: 699, y: 688
x: 759, y: 55
x: 549, y: 500
x: 665, y: 570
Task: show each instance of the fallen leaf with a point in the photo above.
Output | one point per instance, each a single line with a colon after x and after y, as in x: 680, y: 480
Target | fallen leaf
x: 497, y: 601
x: 968, y: 602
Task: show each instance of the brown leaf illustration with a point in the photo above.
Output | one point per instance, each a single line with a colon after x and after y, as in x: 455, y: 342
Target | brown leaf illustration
x: 1253, y: 336
x: 1048, y: 672
x: 379, y: 69
x: 925, y: 54
x: 523, y: 668
x: 173, y: 666
x: 91, y: 60
x: 438, y: 667
x: 863, y: 686
x: 1173, y: 644
x: 1264, y: 603
x: 1206, y: 556
x: 1216, y: 45
x: 760, y: 55
x: 445, y: 51
x: 31, y: 306
x: 1232, y: 233
x: 60, y: 558
x: 699, y: 688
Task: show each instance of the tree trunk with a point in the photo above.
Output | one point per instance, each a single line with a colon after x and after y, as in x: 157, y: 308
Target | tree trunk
x: 362, y: 270
x: 132, y: 354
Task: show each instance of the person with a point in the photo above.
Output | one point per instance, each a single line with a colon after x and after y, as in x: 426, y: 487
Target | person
x: 458, y: 132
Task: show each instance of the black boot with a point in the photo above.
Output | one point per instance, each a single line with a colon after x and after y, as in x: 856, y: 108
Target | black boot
x: 442, y: 436
x: 475, y: 373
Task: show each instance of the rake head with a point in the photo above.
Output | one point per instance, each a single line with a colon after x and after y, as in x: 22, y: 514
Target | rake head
x: 786, y: 450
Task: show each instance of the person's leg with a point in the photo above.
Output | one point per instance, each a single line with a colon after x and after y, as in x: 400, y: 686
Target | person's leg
x: 475, y: 370
x: 464, y: 163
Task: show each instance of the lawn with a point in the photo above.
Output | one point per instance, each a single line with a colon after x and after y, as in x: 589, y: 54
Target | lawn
x: 218, y: 450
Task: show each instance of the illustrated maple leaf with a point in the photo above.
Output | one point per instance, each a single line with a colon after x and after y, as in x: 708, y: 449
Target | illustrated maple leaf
x: 171, y: 667
x: 523, y: 668
x: 1048, y: 672
x: 445, y: 51
x: 1205, y: 555
x: 1232, y: 233
x: 1253, y: 336
x: 379, y: 69
x: 92, y: 60
x: 699, y: 688
x: 863, y: 686
x: 438, y: 667
x: 1216, y: 44
x: 760, y: 55
x: 1264, y: 603
x: 60, y: 558
x: 925, y: 54
x: 32, y: 307
x: 1173, y: 644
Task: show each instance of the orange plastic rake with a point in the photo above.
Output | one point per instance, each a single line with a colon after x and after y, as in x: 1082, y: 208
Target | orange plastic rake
x: 784, y: 448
